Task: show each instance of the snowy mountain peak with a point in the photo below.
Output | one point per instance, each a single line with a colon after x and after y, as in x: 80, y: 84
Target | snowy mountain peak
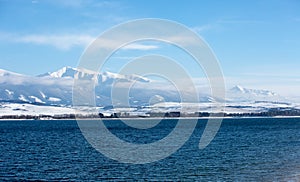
x: 241, y: 90
x: 8, y: 73
x: 113, y: 75
x: 64, y: 72
x: 70, y: 72
x: 241, y: 94
x: 80, y: 73
x: 132, y: 77
x: 238, y: 88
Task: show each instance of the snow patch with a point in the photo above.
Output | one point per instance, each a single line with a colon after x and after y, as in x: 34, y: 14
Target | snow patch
x: 43, y: 95
x: 22, y: 98
x: 36, y: 99
x: 9, y: 92
x: 34, y: 110
x: 54, y: 99
x: 64, y: 72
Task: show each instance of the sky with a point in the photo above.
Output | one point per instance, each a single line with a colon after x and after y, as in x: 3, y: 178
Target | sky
x: 256, y: 42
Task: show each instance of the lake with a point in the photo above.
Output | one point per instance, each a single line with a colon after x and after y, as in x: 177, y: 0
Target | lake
x: 248, y: 149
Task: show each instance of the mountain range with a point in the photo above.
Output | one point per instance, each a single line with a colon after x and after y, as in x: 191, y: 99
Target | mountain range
x: 51, y: 93
x: 55, y: 88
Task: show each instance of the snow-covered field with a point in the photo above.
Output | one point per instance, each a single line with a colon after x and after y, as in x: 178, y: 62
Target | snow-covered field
x: 245, y: 107
x: 33, y: 110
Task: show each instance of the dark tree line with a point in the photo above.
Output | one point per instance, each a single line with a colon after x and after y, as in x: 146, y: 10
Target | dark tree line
x: 270, y: 113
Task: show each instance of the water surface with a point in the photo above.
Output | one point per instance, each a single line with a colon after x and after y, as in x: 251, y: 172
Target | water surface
x: 265, y: 149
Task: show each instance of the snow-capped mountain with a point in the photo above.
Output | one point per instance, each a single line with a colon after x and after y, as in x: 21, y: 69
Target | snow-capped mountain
x: 84, y: 74
x: 63, y: 72
x: 4, y: 73
x: 241, y: 94
x: 35, y: 95
x: 55, y: 88
x: 241, y: 90
x: 21, y: 88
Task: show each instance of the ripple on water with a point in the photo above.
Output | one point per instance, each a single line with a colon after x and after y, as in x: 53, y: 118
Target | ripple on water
x: 243, y: 150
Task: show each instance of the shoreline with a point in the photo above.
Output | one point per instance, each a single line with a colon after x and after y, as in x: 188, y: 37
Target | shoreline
x: 153, y: 118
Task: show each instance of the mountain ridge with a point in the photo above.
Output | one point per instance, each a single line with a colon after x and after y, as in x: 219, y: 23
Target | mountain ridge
x: 55, y: 88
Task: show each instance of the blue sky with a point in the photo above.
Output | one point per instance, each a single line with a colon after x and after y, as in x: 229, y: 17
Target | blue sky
x: 256, y: 42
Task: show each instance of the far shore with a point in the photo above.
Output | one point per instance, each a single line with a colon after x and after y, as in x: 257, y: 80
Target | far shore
x: 150, y: 118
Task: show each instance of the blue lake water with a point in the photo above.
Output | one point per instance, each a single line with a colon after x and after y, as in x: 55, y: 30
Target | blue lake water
x: 254, y: 149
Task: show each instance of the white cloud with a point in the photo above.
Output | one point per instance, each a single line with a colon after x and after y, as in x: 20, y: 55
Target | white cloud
x: 217, y: 25
x: 203, y: 28
x: 136, y: 46
x: 84, y: 3
x: 68, y: 41
x: 63, y: 42
x: 67, y: 3
x: 124, y: 57
x: 238, y: 21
